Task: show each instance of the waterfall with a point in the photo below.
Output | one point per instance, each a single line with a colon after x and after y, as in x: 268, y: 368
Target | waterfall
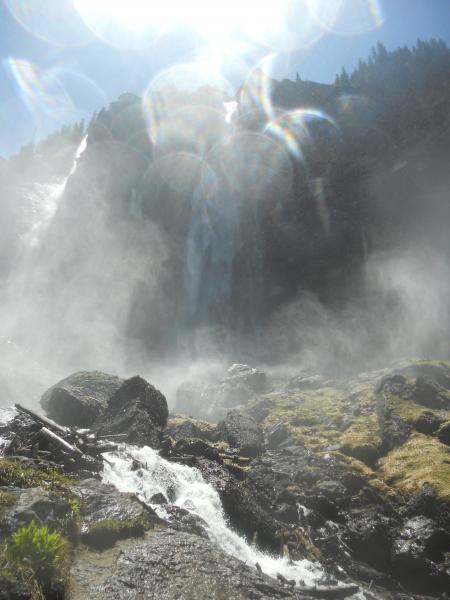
x: 42, y: 202
x: 26, y: 295
x: 187, y: 489
x: 210, y: 254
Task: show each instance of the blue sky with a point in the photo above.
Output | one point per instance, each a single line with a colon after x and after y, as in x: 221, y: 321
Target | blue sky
x: 44, y: 85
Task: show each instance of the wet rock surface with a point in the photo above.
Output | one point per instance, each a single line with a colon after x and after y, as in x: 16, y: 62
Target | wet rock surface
x: 80, y: 398
x: 136, y: 409
x: 242, y: 432
x: 193, y: 569
x: 353, y: 474
x: 32, y: 504
x: 107, y: 515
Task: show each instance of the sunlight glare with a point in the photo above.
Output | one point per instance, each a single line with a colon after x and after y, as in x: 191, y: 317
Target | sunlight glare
x: 207, y: 17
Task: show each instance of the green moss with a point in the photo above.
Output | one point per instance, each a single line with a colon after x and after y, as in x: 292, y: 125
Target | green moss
x: 6, y: 499
x: 12, y: 473
x: 204, y: 426
x: 410, y: 411
x: 421, y: 459
x: 106, y: 532
x: 311, y: 417
x: 344, y: 423
x: 362, y: 439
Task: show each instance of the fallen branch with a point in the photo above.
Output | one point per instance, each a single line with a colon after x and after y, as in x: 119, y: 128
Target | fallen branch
x: 62, y: 444
x: 43, y: 420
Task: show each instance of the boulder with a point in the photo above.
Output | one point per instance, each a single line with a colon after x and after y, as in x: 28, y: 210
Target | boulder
x: 241, y: 431
x: 419, y: 545
x: 31, y: 504
x: 137, y: 409
x: 307, y: 382
x: 430, y: 394
x: 252, y: 378
x: 107, y: 515
x: 368, y: 537
x: 80, y: 398
x: 197, y: 448
x: 444, y: 433
x: 427, y: 423
x: 212, y: 400
x: 179, y: 428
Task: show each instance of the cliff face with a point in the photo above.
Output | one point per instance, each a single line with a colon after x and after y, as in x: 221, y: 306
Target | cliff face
x: 307, y: 223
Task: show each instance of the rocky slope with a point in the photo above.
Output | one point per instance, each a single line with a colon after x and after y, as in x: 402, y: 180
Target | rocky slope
x: 352, y: 476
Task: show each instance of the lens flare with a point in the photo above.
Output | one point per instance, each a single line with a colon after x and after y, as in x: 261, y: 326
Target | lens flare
x: 45, y: 98
x: 253, y: 165
x: 139, y: 22
x: 53, y: 21
x: 347, y: 17
x: 255, y: 104
x: 184, y: 103
x: 291, y: 129
x: 184, y: 173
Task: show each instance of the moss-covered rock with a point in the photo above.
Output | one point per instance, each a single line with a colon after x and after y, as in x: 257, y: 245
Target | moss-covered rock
x: 380, y: 424
x: 422, y: 459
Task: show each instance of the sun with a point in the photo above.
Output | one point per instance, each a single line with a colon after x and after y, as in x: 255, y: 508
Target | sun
x: 207, y: 17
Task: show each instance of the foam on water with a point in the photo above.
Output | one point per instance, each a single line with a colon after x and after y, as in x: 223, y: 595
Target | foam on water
x: 190, y: 491
x: 6, y: 415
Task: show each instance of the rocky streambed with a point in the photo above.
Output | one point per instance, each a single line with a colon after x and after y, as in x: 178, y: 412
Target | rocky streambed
x: 254, y: 488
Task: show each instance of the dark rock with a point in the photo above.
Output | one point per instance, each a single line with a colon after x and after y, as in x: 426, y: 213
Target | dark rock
x: 242, y: 506
x: 444, y: 434
x: 321, y: 504
x: 80, y: 398
x: 158, y: 498
x: 436, y: 372
x: 425, y: 503
x: 12, y: 589
x: 427, y: 423
x: 241, y: 431
x: 415, y: 551
x: 366, y: 453
x: 307, y: 382
x: 430, y: 394
x: 32, y: 504
x: 277, y: 434
x: 394, y: 430
x: 287, y: 513
x: 137, y: 409
x: 248, y: 376
x: 198, y: 448
x: 107, y: 515
x: 368, y: 537
x: 186, y: 429
x: 333, y: 490
x: 353, y: 482
x: 183, y: 520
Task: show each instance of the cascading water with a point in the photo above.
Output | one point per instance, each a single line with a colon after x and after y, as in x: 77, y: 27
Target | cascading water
x: 187, y: 489
x: 43, y: 202
x: 210, y: 254
x: 25, y: 293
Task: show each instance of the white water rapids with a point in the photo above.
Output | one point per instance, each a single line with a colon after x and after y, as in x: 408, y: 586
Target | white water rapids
x: 190, y: 491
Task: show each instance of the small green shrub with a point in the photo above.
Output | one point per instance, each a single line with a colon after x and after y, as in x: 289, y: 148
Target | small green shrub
x: 70, y: 525
x: 41, y: 551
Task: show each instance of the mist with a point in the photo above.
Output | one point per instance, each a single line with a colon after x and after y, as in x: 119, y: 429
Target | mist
x: 174, y: 236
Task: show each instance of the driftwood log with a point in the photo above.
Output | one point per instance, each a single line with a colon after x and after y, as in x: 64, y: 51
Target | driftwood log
x: 68, y: 446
